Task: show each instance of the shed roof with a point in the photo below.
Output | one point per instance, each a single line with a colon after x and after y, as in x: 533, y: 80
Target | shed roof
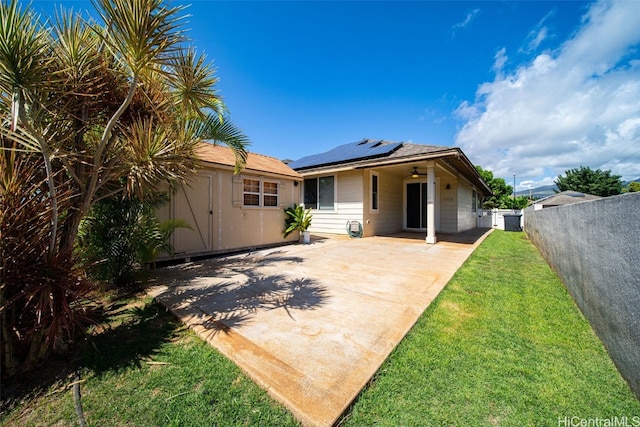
x: 566, y: 198
x: 222, y: 155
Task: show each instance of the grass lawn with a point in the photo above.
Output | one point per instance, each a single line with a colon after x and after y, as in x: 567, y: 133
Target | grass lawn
x: 503, y: 344
x: 144, y: 368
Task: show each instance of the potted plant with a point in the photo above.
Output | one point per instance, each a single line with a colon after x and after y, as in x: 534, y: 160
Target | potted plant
x: 298, y: 218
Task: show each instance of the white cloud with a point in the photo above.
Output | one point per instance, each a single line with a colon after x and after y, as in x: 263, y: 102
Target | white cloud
x: 539, y: 34
x: 499, y: 60
x: 536, y: 38
x: 578, y: 105
x: 466, y: 21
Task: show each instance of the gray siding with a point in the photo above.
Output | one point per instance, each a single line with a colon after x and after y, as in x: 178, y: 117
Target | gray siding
x: 466, y: 218
x: 348, y: 205
x: 388, y: 219
x: 449, y: 206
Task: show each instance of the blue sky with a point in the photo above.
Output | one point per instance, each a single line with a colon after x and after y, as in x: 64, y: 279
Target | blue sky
x: 532, y: 88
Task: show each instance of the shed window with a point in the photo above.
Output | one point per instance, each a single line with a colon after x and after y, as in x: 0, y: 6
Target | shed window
x: 270, y: 193
x: 252, y: 196
x: 319, y: 193
x: 251, y: 192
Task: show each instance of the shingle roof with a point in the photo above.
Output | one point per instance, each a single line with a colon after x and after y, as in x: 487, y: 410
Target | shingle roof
x: 379, y: 153
x: 410, y: 149
x: 566, y: 198
x: 365, y: 151
x: 222, y: 155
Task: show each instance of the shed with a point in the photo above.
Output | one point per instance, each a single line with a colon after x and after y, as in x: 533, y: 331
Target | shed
x: 229, y: 212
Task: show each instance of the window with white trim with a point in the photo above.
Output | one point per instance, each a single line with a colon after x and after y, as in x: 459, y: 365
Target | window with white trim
x: 270, y: 193
x: 259, y: 192
x: 251, y: 192
x: 374, y: 191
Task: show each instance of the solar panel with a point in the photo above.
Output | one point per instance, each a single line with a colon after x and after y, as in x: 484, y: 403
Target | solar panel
x: 365, y: 149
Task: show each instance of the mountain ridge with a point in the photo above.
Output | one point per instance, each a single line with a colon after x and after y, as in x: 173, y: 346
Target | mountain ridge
x: 550, y: 190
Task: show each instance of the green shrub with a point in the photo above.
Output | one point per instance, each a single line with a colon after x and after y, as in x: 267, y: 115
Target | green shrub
x: 120, y: 235
x: 40, y: 295
x: 297, y: 219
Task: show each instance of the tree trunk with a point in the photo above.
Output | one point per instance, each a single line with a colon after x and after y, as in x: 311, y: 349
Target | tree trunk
x: 9, y: 363
x: 38, y: 349
x: 69, y: 231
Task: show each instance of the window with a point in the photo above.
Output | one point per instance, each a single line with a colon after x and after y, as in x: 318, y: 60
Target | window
x: 270, y: 193
x: 319, y: 193
x: 374, y: 191
x: 474, y: 201
x: 252, y: 196
x: 251, y: 192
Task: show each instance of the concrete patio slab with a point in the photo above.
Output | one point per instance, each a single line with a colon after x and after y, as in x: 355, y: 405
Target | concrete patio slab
x: 313, y: 323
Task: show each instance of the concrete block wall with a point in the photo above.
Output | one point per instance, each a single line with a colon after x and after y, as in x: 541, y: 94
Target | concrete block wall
x: 594, y: 247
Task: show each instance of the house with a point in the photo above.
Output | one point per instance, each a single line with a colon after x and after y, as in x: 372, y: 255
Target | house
x: 377, y: 187
x: 563, y: 198
x: 230, y: 212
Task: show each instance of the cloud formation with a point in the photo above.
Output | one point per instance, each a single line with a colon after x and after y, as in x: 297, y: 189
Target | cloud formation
x: 576, y: 105
x: 466, y: 21
x: 539, y: 34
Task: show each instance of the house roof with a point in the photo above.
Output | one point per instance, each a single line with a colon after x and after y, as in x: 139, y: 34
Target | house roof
x: 369, y: 153
x: 365, y: 149
x: 258, y: 163
x: 566, y: 198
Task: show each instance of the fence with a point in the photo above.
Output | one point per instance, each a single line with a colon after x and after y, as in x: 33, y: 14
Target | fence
x: 594, y: 247
x: 494, y: 218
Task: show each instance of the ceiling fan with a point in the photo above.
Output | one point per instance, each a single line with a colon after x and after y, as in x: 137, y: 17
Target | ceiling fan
x: 416, y: 174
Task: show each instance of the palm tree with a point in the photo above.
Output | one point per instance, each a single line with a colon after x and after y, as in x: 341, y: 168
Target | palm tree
x: 111, y: 106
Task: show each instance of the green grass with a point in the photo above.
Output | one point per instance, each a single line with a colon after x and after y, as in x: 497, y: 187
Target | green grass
x: 503, y: 344
x: 146, y: 369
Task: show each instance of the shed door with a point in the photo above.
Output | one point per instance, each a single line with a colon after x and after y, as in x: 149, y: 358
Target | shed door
x: 194, y: 205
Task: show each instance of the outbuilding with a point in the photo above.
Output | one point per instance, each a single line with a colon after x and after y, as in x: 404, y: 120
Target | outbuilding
x: 229, y: 212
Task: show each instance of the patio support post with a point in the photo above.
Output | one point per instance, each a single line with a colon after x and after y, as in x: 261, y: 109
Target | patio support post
x: 431, y: 204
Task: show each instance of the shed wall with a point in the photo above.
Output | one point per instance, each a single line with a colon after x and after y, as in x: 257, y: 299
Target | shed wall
x: 218, y: 226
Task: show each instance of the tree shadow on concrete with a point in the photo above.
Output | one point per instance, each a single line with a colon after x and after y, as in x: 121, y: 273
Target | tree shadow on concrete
x: 222, y: 294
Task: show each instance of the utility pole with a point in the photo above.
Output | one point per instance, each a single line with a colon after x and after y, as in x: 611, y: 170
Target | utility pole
x: 514, y: 191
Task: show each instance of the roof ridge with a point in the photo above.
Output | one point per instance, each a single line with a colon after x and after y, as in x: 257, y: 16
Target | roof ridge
x: 265, y: 155
x: 213, y: 144
x: 426, y: 145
